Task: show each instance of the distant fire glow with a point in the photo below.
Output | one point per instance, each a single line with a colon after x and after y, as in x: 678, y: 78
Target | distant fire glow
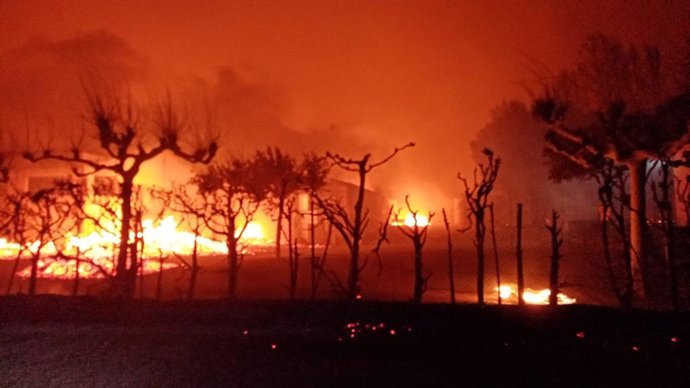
x: 509, y: 293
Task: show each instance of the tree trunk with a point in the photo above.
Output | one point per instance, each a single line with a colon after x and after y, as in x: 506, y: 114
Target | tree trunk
x: 232, y: 256
x: 496, y: 261
x: 292, y: 259
x: 353, y: 278
x: 195, y: 264
x: 312, y: 240
x: 555, y: 259
x: 666, y: 210
x: 638, y: 222
x: 77, y: 264
x: 159, y: 282
x: 279, y: 224
x: 34, y: 272
x: 418, y: 271
x: 121, y: 288
x: 479, y: 235
x: 17, y: 259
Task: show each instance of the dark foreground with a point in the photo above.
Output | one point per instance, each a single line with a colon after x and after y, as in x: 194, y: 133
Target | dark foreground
x: 85, y: 342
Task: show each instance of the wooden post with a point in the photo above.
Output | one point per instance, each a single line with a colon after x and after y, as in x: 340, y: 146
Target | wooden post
x: 496, y: 261
x: 451, y: 272
x: 518, y: 255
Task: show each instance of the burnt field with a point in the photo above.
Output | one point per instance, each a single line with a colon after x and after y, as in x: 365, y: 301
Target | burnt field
x: 90, y: 342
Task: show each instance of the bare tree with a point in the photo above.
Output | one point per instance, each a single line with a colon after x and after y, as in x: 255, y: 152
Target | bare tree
x: 477, y: 195
x: 497, y: 266
x: 122, y: 136
x: 314, y: 172
x: 281, y: 174
x: 612, y: 198
x: 191, y: 206
x: 289, y: 211
x: 39, y: 222
x: 231, y: 196
x: 662, y: 194
x: 351, y: 225
x: 617, y: 104
x: 417, y: 234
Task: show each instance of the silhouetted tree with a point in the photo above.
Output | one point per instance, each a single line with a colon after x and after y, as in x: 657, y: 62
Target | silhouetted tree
x: 231, y: 195
x: 417, y: 234
x: 190, y: 205
x: 613, y: 197
x: 39, y: 222
x: 662, y: 190
x: 122, y: 135
x: 314, y: 172
x: 477, y: 195
x: 617, y: 106
x: 351, y: 225
x: 282, y: 175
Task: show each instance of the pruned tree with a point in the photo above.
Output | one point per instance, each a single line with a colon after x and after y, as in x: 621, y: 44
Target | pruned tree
x: 181, y: 200
x: 314, y: 172
x: 617, y: 106
x: 477, y: 194
x: 290, y: 210
x: 74, y: 195
x: 351, y: 225
x: 613, y: 198
x: 39, y: 223
x: 663, y: 196
x: 231, y: 195
x: 127, y: 143
x: 556, y: 244
x: 281, y: 174
x: 417, y: 233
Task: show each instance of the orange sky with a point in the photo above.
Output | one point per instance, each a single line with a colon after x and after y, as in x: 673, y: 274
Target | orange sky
x: 384, y: 72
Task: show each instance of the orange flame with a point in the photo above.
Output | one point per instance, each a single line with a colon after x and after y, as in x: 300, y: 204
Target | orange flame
x: 97, y: 249
x: 530, y: 296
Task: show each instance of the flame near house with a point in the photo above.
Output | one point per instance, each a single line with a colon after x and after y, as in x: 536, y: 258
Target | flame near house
x: 96, y: 250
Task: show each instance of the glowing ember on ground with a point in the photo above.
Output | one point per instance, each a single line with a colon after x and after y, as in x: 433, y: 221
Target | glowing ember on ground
x: 97, y: 249
x: 509, y: 293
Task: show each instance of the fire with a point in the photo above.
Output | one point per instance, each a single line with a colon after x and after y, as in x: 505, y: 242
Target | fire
x: 410, y: 220
x: 97, y: 249
x: 531, y: 296
x: 253, y: 232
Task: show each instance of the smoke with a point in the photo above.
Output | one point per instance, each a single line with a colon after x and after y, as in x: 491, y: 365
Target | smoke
x: 352, y: 78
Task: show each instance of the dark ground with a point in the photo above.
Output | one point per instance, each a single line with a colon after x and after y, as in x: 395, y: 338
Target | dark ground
x: 52, y: 341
